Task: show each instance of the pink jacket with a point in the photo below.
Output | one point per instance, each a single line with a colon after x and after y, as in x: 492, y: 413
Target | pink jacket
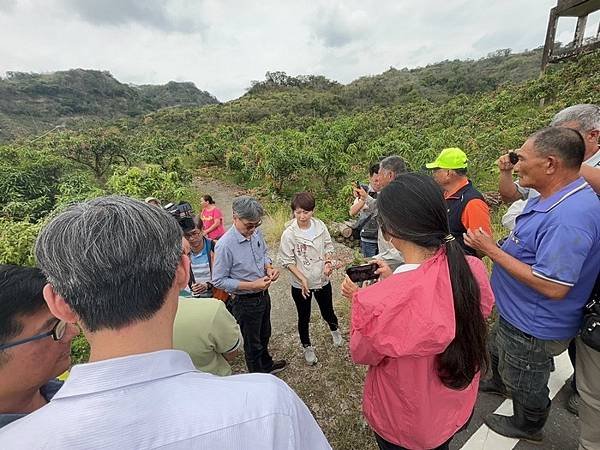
x: 399, y: 326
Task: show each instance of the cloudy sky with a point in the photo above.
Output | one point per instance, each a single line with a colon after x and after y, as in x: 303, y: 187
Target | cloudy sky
x: 221, y: 45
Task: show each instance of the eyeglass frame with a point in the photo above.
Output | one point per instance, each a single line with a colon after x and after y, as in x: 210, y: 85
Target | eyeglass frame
x: 56, y: 334
x: 249, y: 226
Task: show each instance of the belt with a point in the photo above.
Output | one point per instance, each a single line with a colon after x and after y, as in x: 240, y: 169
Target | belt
x: 250, y: 295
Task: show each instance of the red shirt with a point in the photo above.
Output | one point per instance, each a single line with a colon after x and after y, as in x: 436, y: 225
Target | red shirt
x: 398, y: 328
x: 209, y: 217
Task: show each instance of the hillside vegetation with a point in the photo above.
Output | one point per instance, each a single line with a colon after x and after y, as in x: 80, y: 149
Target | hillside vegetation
x: 272, y: 140
x: 33, y: 103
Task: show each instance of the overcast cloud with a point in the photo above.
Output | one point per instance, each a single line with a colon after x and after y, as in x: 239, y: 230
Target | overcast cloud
x: 221, y: 45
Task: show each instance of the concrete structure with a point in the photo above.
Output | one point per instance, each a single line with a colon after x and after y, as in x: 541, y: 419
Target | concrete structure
x: 570, y: 8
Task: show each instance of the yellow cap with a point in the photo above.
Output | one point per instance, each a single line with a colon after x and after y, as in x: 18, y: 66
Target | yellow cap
x: 450, y: 158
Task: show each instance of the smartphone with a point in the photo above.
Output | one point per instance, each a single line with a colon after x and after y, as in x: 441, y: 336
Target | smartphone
x: 363, y: 272
x: 358, y: 185
x: 513, y: 158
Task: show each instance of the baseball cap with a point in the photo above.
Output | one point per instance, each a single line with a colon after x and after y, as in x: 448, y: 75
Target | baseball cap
x: 449, y: 158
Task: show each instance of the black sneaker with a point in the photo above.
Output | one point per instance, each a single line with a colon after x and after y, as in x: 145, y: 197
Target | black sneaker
x: 277, y: 367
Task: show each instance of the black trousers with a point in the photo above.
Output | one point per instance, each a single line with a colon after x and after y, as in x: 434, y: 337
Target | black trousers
x: 253, y: 314
x: 324, y: 299
x: 385, y: 445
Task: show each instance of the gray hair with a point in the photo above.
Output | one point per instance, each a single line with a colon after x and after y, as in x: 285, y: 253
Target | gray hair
x: 565, y: 143
x: 393, y: 163
x: 246, y: 207
x: 586, y: 115
x: 112, y: 259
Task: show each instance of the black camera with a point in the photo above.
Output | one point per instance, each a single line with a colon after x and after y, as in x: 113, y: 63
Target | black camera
x: 179, y: 210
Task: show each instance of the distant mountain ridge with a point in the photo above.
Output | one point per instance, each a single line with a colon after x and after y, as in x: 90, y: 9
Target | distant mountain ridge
x: 34, y: 103
x: 31, y: 103
x: 435, y: 82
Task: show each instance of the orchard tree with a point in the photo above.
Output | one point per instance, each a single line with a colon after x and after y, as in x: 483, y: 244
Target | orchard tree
x: 95, y: 149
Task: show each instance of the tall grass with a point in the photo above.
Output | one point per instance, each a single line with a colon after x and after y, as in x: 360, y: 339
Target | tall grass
x: 278, y: 215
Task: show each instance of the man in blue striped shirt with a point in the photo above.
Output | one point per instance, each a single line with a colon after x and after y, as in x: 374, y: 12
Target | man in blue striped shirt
x: 243, y: 268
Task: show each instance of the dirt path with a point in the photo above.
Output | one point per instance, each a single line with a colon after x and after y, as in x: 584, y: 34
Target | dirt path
x: 283, y: 313
x: 332, y: 388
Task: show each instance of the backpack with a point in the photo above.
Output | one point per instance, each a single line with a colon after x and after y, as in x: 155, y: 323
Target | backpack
x: 590, y: 328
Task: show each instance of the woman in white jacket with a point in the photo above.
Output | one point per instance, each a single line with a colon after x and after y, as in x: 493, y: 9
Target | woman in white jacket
x: 306, y: 250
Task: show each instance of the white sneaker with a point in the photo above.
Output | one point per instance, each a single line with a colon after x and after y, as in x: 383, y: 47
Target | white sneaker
x: 309, y: 356
x: 338, y: 340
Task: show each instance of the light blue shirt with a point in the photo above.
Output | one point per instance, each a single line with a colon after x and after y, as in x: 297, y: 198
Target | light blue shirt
x: 159, y: 400
x: 239, y: 259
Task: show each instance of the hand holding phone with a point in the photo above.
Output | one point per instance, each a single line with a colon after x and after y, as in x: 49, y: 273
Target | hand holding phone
x: 363, y: 272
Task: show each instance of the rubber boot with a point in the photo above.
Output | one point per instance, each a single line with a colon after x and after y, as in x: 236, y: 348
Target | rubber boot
x: 494, y: 385
x: 525, y: 424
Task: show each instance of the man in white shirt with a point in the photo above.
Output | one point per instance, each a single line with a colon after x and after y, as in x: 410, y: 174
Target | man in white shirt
x: 389, y: 169
x: 116, y: 266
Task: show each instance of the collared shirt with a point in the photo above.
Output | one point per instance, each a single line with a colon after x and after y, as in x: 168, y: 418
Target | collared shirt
x: 159, y: 400
x: 238, y: 258
x: 387, y: 251
x: 206, y: 331
x: 559, y: 237
x: 48, y: 391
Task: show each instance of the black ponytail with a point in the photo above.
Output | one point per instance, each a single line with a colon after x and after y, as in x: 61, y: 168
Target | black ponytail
x: 466, y: 355
x: 412, y: 208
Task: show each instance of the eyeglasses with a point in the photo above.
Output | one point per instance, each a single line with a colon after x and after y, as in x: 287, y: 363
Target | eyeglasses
x: 251, y: 225
x: 57, y: 332
x: 192, y: 233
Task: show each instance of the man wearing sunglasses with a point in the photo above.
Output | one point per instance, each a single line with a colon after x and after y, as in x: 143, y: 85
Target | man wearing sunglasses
x: 243, y: 268
x: 34, y: 345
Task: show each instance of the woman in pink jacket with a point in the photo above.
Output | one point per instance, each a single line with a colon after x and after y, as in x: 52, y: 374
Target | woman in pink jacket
x: 421, y: 330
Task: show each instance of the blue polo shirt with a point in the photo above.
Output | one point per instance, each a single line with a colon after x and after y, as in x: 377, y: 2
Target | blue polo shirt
x: 559, y: 237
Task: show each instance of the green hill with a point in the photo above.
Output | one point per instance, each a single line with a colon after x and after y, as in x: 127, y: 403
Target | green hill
x: 277, y: 140
x: 33, y: 103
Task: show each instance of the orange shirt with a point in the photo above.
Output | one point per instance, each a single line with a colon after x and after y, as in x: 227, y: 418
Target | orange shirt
x: 476, y: 213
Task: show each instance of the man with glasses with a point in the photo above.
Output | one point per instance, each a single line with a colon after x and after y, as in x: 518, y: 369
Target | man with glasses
x: 243, y: 268
x: 34, y: 345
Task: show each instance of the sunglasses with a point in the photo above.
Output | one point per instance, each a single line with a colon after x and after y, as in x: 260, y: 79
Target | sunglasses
x: 251, y: 225
x: 57, y: 332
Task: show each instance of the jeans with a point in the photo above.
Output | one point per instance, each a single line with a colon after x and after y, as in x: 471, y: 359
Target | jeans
x: 368, y: 249
x: 324, y: 300
x: 254, y: 317
x: 524, y: 363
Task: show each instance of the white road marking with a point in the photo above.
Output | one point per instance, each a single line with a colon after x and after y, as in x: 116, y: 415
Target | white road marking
x: 486, y: 439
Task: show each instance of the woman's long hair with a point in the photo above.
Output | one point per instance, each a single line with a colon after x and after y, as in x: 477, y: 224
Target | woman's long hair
x: 412, y: 208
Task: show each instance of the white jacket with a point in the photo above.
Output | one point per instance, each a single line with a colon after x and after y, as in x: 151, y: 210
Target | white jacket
x: 307, y: 255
